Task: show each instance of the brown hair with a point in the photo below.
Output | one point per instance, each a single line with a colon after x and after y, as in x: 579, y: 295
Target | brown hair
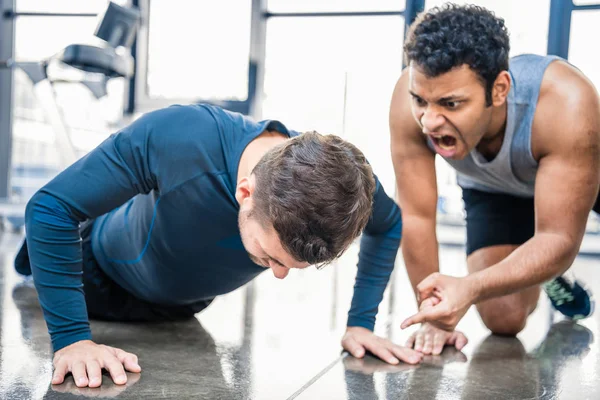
x: 317, y: 193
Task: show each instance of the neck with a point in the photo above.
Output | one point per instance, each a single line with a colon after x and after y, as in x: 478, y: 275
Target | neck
x: 256, y: 149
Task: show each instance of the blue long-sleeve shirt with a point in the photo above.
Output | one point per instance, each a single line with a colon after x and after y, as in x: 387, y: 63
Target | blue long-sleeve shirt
x: 162, y: 192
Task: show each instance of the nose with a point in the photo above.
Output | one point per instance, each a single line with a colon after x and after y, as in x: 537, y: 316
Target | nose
x: 279, y: 272
x: 431, y: 120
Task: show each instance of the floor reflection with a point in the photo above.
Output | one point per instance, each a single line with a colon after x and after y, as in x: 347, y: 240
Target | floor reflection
x: 499, y: 368
x: 178, y: 359
x: 251, y: 344
x: 278, y: 339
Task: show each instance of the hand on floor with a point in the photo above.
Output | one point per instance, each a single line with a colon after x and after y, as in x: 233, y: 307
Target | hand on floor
x: 86, y: 359
x: 369, y: 365
x: 431, y: 340
x: 358, y: 341
x: 107, y: 390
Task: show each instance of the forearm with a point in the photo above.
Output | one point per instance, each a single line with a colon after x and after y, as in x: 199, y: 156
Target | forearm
x: 540, y: 259
x: 376, y: 263
x: 419, y: 249
x: 55, y: 254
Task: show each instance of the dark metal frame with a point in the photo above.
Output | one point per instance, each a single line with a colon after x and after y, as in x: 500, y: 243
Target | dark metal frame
x: 559, y: 26
x: 130, y: 92
x: 259, y: 18
x: 13, y: 14
x: 8, y: 14
x: 251, y: 106
x: 7, y: 52
x: 334, y: 14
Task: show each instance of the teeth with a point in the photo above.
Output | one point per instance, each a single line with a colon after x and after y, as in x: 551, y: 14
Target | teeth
x: 443, y: 146
x: 440, y: 142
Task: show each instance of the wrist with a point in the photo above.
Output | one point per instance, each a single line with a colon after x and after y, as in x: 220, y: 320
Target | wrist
x: 359, y: 320
x: 474, y: 287
x: 357, y: 328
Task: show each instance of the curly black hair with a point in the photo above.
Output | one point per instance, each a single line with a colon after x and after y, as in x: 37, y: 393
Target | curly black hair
x: 449, y: 36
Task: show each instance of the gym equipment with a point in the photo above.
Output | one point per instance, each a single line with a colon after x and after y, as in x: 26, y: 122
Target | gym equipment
x: 100, y: 63
x: 97, y: 64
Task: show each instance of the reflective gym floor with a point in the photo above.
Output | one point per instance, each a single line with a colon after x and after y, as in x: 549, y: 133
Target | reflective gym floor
x: 281, y: 340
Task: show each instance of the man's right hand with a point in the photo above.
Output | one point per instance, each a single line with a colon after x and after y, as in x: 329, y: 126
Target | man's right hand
x: 86, y: 359
x: 431, y: 340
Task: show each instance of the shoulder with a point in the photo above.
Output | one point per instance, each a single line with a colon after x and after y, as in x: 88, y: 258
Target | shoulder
x: 173, y: 123
x: 563, y: 81
x: 178, y: 112
x: 568, y: 110
x: 186, y: 136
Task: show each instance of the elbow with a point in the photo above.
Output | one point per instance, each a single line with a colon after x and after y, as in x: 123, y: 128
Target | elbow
x: 33, y: 206
x: 389, y: 224
x: 394, y: 228
x: 385, y: 239
x: 44, y: 209
x: 567, y: 250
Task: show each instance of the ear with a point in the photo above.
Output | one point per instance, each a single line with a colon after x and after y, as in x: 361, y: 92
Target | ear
x: 245, y: 189
x: 501, y: 88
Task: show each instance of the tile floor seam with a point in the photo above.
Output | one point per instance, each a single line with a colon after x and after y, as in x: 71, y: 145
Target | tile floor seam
x: 318, y: 376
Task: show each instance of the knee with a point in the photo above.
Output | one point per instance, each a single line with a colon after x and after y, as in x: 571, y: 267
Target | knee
x: 507, y: 323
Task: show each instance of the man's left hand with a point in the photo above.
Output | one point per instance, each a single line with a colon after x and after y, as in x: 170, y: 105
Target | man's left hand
x: 358, y: 340
x: 453, y: 296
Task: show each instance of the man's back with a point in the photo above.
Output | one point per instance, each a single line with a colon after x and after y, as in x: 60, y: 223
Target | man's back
x: 165, y: 246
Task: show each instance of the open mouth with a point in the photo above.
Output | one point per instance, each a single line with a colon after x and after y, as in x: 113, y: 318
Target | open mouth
x: 444, y: 142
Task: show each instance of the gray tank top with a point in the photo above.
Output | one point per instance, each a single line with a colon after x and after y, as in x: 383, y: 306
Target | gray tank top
x: 513, y: 169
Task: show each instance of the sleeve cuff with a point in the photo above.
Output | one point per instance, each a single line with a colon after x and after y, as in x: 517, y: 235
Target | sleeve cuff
x: 70, y: 338
x: 362, y: 322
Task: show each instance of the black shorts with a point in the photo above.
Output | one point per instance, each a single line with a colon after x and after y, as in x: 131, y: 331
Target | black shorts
x: 496, y: 219
x: 106, y: 300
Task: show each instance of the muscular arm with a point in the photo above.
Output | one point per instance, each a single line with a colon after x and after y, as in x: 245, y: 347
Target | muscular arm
x: 414, y: 166
x: 567, y: 142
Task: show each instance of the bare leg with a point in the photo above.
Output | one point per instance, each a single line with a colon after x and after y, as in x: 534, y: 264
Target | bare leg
x: 506, y: 315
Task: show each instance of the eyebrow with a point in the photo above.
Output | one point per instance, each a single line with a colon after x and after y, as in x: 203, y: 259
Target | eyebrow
x: 450, y: 98
x: 453, y: 97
